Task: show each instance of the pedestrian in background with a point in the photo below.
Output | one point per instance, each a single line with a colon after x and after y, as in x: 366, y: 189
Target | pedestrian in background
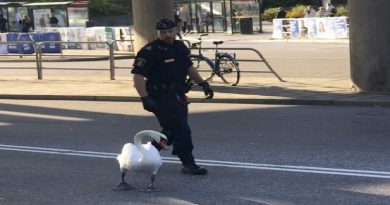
x: 331, y: 10
x: 160, y: 72
x: 185, y: 17
x: 322, y: 12
x: 3, y: 24
x: 26, y: 24
x: 53, y: 21
x: 309, y: 12
x: 179, y: 24
x: 281, y: 14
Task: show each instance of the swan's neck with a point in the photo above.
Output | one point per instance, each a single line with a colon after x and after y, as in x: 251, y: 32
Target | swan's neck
x: 138, y: 139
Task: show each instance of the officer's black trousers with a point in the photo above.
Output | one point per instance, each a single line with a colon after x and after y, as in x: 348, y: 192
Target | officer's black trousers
x: 172, y: 114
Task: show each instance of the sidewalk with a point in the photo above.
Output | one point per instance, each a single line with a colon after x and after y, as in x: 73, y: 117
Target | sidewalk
x: 257, y: 90
x: 268, y: 91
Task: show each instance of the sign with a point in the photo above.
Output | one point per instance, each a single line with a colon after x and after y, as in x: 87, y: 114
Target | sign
x: 12, y: 47
x: 294, y: 28
x: 48, y: 36
x: 41, y: 18
x: 341, y: 27
x: 278, y: 29
x: 26, y: 48
x: 312, y: 28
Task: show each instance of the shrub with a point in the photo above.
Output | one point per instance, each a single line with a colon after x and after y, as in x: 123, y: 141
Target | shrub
x: 342, y: 11
x: 296, y: 12
x: 270, y: 14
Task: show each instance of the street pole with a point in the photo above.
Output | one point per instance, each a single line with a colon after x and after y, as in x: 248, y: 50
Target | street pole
x: 145, y: 15
x: 260, y: 19
x: 370, y: 45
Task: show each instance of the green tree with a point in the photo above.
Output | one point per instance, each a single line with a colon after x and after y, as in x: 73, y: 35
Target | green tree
x: 109, y: 7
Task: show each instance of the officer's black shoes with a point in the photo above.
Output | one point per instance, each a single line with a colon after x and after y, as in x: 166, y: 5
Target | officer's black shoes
x: 194, y: 170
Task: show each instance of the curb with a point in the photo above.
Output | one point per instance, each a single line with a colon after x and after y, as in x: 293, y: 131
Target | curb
x: 267, y: 101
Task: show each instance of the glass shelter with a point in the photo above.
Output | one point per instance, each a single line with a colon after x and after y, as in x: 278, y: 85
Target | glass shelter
x: 67, y: 13
x: 230, y: 16
x: 13, y: 13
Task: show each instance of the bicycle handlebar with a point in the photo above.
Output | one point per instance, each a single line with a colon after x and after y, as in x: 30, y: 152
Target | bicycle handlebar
x: 201, y: 35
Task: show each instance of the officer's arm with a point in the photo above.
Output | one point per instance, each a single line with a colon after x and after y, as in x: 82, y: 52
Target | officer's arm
x: 140, y: 85
x: 194, y: 75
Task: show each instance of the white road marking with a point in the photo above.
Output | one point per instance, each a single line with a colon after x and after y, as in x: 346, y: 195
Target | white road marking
x: 43, y: 116
x: 213, y: 163
x: 5, y: 124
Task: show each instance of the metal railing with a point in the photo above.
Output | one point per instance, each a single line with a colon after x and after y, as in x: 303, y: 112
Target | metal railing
x: 111, y: 55
x: 38, y: 53
x: 262, y: 59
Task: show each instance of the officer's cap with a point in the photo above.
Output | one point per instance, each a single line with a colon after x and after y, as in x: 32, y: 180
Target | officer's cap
x: 165, y: 24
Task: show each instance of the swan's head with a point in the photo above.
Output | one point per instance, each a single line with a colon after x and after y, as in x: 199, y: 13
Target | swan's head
x: 160, y: 138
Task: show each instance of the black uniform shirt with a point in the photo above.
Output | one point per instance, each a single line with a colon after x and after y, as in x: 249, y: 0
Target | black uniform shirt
x: 161, y: 62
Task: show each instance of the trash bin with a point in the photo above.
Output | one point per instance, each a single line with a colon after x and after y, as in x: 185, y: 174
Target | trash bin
x: 246, y: 25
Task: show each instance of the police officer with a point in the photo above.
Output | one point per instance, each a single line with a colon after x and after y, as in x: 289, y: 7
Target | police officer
x: 160, y: 71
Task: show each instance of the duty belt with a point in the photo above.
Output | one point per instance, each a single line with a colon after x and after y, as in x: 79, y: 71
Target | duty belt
x: 166, y: 88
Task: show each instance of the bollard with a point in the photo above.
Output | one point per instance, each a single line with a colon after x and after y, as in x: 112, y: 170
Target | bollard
x: 112, y: 59
x: 38, y: 57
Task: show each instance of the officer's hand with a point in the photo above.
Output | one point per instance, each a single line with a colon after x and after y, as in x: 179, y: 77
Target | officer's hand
x: 207, y: 90
x: 149, y: 104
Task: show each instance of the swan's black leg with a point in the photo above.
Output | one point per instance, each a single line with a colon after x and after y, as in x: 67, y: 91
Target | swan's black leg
x: 151, y: 188
x: 123, y: 185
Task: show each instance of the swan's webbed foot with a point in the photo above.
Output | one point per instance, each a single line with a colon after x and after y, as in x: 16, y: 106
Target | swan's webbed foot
x: 123, y: 186
x: 150, y: 189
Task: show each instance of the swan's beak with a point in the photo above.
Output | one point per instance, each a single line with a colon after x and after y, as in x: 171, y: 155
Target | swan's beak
x: 163, y: 144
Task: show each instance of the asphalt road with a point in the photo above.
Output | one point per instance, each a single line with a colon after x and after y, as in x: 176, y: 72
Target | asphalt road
x: 63, y: 152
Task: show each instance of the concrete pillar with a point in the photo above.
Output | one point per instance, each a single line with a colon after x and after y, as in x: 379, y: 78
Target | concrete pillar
x: 145, y: 15
x: 370, y: 45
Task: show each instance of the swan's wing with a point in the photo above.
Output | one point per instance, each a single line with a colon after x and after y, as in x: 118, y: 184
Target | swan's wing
x: 151, y: 157
x: 129, y: 156
x: 152, y: 150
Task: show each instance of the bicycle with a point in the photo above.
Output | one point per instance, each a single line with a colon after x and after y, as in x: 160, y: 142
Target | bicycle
x: 223, y: 65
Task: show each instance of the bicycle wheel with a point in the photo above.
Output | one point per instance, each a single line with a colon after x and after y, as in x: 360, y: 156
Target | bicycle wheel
x: 228, y: 70
x: 203, y: 66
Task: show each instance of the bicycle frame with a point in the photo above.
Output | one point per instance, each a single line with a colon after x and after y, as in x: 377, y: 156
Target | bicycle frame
x: 215, y: 64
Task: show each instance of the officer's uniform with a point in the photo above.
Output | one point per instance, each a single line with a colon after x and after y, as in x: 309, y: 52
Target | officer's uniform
x: 166, y: 67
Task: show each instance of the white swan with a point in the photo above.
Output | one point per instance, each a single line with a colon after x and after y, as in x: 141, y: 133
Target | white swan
x: 140, y: 157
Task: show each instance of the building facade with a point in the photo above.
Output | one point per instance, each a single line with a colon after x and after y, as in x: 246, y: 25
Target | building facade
x: 229, y: 16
